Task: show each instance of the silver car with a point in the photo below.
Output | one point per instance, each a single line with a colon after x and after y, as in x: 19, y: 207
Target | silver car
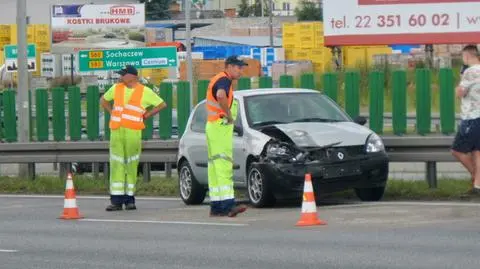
x: 281, y: 135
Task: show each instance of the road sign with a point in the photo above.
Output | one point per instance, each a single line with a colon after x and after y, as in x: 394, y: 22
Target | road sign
x: 11, y: 54
x: 384, y: 22
x: 140, y: 58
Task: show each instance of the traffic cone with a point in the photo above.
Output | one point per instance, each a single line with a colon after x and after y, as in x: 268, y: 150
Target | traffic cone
x: 309, y: 207
x: 70, y: 209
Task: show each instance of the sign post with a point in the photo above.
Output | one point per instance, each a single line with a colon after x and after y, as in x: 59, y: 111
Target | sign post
x: 11, y: 53
x: 116, y: 59
x: 384, y: 22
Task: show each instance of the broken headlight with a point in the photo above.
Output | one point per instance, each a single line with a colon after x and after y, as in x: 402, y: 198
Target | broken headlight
x: 282, y: 151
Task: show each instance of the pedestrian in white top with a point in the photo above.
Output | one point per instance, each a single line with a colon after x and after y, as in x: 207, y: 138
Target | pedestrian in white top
x: 466, y: 146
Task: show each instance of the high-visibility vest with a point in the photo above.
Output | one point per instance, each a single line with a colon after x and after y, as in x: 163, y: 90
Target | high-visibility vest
x: 127, y: 115
x: 214, y: 110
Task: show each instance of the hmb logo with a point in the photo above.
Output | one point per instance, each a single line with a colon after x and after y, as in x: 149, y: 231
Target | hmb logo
x: 122, y: 10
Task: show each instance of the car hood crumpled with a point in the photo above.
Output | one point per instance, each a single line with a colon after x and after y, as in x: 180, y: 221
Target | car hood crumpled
x: 318, y: 134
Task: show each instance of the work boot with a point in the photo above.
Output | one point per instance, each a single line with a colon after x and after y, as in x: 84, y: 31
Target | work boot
x: 237, y: 210
x: 130, y: 206
x: 114, y: 207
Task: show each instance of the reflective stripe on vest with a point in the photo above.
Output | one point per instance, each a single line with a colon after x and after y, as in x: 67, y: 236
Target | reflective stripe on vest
x: 128, y: 115
x: 214, y: 110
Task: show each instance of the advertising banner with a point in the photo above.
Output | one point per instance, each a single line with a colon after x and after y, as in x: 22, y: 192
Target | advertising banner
x: 85, y: 26
x: 384, y: 22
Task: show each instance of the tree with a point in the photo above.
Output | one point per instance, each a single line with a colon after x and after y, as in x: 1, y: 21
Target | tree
x: 244, y: 9
x: 157, y: 9
x: 309, y: 11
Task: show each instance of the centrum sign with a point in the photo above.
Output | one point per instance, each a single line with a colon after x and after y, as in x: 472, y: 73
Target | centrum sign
x: 150, y: 58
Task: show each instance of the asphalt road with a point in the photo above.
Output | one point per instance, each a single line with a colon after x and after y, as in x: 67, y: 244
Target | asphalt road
x: 166, y: 234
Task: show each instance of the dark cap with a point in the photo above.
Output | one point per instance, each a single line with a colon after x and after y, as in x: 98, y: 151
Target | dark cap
x: 129, y: 69
x: 235, y: 61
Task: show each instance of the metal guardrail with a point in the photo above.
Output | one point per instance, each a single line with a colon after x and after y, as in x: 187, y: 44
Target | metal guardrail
x: 429, y: 149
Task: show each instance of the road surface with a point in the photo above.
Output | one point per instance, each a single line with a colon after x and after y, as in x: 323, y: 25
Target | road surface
x: 167, y: 234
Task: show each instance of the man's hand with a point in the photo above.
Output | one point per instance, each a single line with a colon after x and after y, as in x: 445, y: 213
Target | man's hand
x: 154, y: 111
x: 223, y: 101
x: 106, y: 105
x: 460, y: 91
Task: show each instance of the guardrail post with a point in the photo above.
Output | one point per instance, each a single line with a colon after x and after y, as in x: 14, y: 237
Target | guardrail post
x: 74, y: 113
x: 58, y: 109
x: 202, y: 90
x: 244, y: 84
x: 41, y: 111
x: 93, y: 112
x: 286, y: 81
x: 431, y: 174
x: 330, y: 85
x: 1, y: 118
x: 399, y: 102
x: 265, y: 82
x: 424, y: 98
x: 307, y: 81
x: 147, y: 167
x: 183, y: 106
x: 106, y: 118
x: 165, y: 124
x: 377, y: 82
x: 447, y: 101
x: 147, y: 133
x: 352, y: 93
x: 10, y: 115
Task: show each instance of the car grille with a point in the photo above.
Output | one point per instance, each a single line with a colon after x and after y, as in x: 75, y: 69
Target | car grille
x: 339, y: 154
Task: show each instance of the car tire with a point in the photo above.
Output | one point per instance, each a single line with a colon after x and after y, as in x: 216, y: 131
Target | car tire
x: 258, y: 188
x: 191, y: 192
x: 370, y: 194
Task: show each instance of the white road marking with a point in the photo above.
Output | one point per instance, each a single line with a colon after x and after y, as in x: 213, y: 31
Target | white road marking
x: 86, y: 197
x: 8, y: 250
x: 165, y: 222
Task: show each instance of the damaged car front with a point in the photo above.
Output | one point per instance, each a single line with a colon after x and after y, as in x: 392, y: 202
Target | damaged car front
x: 309, y: 133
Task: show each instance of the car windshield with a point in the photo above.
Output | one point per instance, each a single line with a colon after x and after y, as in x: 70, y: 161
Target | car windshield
x: 262, y: 110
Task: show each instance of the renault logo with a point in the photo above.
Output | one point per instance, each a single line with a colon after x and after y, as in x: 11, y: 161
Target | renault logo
x: 340, y: 155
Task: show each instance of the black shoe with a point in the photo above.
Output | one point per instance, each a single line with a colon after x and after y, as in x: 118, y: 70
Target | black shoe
x: 130, y: 207
x: 114, y: 208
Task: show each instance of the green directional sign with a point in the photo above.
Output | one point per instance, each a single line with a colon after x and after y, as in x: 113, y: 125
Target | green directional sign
x: 140, y: 58
x: 11, y: 56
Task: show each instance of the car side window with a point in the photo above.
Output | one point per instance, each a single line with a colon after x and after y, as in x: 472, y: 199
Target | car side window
x: 199, y: 119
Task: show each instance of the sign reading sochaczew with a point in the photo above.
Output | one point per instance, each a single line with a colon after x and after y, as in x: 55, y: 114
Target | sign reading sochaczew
x: 151, y: 58
x: 381, y: 22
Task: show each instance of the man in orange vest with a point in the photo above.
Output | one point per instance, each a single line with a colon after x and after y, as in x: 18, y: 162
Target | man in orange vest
x: 221, y: 114
x: 131, y: 100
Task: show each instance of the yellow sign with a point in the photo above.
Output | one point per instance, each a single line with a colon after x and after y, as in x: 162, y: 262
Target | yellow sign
x: 95, y: 64
x: 95, y: 54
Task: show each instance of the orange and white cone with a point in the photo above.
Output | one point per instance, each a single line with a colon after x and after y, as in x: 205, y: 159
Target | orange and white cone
x: 70, y: 209
x: 309, y: 207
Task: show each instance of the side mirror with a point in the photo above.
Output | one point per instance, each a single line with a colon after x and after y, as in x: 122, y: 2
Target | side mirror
x: 238, y: 130
x: 360, y: 120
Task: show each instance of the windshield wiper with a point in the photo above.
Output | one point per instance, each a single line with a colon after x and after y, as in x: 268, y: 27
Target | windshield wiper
x: 316, y: 120
x: 265, y: 123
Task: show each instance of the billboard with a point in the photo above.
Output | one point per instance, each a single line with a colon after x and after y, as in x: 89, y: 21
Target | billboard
x: 383, y: 22
x: 85, y: 26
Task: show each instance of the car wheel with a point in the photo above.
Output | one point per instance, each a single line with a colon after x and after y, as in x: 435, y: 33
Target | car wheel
x: 191, y: 192
x: 258, y: 188
x: 370, y: 194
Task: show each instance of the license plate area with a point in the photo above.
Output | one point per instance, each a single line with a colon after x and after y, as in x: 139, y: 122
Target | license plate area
x: 341, y: 171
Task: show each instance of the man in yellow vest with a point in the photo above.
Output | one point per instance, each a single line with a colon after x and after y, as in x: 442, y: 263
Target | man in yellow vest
x: 221, y: 114
x: 131, y: 100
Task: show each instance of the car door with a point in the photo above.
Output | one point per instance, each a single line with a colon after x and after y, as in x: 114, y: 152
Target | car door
x: 239, y: 150
x: 197, y: 144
